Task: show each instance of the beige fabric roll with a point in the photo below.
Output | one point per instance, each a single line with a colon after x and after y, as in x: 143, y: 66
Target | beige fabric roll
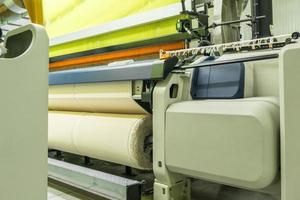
x: 117, y: 138
x: 110, y: 97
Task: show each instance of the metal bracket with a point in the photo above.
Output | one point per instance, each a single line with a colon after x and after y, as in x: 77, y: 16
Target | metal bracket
x: 12, y: 6
x: 247, y: 45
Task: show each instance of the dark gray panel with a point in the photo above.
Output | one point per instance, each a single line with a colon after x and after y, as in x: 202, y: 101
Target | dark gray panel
x: 226, y: 81
x: 147, y: 70
x: 202, y: 82
x: 219, y: 82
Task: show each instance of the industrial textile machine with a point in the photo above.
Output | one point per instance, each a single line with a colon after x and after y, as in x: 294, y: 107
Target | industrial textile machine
x: 213, y: 117
x: 164, y: 100
x: 24, y: 84
x: 228, y: 119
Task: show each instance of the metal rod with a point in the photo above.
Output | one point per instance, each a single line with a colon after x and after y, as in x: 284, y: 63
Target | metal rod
x: 232, y: 61
x: 255, y: 30
x: 214, y: 25
x: 271, y: 42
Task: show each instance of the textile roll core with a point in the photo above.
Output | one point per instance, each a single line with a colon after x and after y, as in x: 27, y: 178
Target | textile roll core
x: 110, y: 97
x: 117, y: 138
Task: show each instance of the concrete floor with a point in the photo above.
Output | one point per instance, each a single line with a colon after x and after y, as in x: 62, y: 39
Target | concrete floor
x: 200, y: 189
x: 58, y: 191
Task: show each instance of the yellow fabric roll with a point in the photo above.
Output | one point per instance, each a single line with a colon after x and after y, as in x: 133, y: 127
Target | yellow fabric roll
x: 117, y: 138
x: 78, y: 15
x: 112, y: 97
x: 75, y: 15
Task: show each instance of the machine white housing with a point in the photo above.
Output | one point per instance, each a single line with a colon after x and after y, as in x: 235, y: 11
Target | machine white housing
x: 248, y: 142
x: 24, y: 97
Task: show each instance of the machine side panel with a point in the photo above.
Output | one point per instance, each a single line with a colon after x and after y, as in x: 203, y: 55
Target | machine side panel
x: 289, y: 110
x: 24, y: 107
x: 233, y: 142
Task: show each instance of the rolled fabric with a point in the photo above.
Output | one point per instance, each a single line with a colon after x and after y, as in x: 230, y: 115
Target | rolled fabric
x: 117, y: 138
x: 110, y: 97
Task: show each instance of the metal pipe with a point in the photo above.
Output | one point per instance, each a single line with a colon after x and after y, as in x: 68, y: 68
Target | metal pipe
x: 253, y: 20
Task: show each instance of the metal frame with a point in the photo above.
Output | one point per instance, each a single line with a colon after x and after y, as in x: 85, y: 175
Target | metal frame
x: 268, y: 42
x: 119, y: 71
x: 130, y: 71
x: 245, y: 58
x: 12, y: 6
x: 14, y: 18
x: 96, y: 182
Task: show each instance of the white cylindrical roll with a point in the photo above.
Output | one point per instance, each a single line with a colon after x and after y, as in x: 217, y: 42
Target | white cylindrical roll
x: 108, y: 97
x: 117, y: 138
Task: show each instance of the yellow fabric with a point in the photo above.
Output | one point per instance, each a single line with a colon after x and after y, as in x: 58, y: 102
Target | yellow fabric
x: 62, y: 17
x: 140, y: 33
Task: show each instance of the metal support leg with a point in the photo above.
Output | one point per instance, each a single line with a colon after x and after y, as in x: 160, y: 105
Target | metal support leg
x: 167, y: 185
x: 179, y: 191
x: 128, y: 172
x: 59, y: 155
x: 87, y: 161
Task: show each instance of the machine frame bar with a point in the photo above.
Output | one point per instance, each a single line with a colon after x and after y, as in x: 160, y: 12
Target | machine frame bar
x: 93, y: 181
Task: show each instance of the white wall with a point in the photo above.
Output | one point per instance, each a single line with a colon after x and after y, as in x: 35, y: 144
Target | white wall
x: 286, y: 16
